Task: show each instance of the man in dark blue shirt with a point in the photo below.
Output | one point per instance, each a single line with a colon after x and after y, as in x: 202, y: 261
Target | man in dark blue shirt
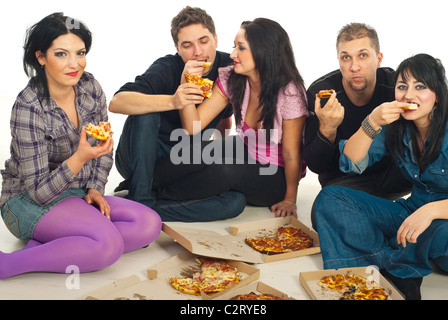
x: 152, y: 103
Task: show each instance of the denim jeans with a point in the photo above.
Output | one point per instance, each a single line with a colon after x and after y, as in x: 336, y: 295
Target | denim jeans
x: 21, y: 214
x: 358, y: 229
x: 389, y: 183
x: 138, y: 151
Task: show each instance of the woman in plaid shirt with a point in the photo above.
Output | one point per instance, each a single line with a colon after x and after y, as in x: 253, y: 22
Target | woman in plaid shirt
x: 53, y: 183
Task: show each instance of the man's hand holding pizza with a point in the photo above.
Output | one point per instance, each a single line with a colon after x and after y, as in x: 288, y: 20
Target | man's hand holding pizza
x: 194, y: 67
x: 330, y: 116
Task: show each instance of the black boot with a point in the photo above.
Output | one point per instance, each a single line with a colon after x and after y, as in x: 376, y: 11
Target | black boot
x: 409, y: 287
x: 124, y: 185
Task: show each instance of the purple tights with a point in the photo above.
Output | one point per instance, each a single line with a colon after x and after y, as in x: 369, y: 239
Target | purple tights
x: 76, y: 233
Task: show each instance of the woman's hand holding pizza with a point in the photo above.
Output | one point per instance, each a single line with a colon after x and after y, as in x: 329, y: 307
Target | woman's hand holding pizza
x: 386, y: 113
x: 86, y: 152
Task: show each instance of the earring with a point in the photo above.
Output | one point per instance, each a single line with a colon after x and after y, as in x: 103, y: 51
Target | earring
x: 431, y: 114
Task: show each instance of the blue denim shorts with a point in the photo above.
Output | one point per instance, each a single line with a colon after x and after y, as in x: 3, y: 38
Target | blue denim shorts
x: 21, y: 214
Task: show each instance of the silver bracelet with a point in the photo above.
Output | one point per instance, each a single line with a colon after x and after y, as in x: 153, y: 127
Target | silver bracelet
x: 368, y: 129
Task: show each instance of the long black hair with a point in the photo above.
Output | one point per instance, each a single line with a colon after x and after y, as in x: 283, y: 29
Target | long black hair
x: 429, y: 71
x: 274, y: 60
x: 40, y: 37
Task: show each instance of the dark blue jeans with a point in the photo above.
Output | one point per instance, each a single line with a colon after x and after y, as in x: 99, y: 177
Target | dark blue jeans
x: 138, y: 151
x: 357, y: 229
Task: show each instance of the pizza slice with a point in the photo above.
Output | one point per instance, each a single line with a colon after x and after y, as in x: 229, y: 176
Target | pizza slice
x: 341, y: 283
x: 206, y: 85
x: 215, y: 276
x: 255, y: 296
x: 284, y: 233
x: 353, y: 287
x: 265, y: 245
x: 288, y: 239
x: 324, y: 94
x: 370, y: 294
x: 298, y: 243
x: 102, y: 131
x: 219, y: 280
x: 185, y: 285
x: 411, y: 106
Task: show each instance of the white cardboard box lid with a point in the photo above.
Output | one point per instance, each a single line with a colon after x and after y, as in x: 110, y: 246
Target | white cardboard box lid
x: 233, y: 246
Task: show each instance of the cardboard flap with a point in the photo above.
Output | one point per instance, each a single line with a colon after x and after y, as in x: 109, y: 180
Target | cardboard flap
x: 255, y: 287
x: 265, y: 224
x: 233, y: 246
x: 212, y: 244
x: 114, y: 287
x: 152, y: 274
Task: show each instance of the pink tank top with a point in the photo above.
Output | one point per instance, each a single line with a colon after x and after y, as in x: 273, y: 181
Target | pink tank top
x: 290, y: 105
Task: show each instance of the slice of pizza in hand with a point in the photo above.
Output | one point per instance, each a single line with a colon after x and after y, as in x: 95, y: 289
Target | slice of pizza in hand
x: 206, y: 85
x: 102, y: 131
x: 411, y: 106
x: 255, y: 296
x: 325, y: 94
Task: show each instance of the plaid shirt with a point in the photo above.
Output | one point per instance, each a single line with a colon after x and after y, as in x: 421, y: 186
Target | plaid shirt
x: 43, y: 138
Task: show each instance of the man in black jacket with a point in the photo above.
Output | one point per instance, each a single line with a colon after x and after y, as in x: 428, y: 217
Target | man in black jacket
x: 152, y: 103
x: 360, y: 86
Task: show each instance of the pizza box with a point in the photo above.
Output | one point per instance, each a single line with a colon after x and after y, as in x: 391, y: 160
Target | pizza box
x: 157, y: 287
x: 255, y: 287
x: 233, y: 246
x: 310, y: 282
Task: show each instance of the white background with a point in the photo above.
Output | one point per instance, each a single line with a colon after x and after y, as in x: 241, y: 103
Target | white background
x: 129, y: 35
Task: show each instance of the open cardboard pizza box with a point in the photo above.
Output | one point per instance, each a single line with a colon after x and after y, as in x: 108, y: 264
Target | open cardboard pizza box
x: 310, y: 282
x: 157, y: 287
x: 257, y: 287
x: 233, y: 246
